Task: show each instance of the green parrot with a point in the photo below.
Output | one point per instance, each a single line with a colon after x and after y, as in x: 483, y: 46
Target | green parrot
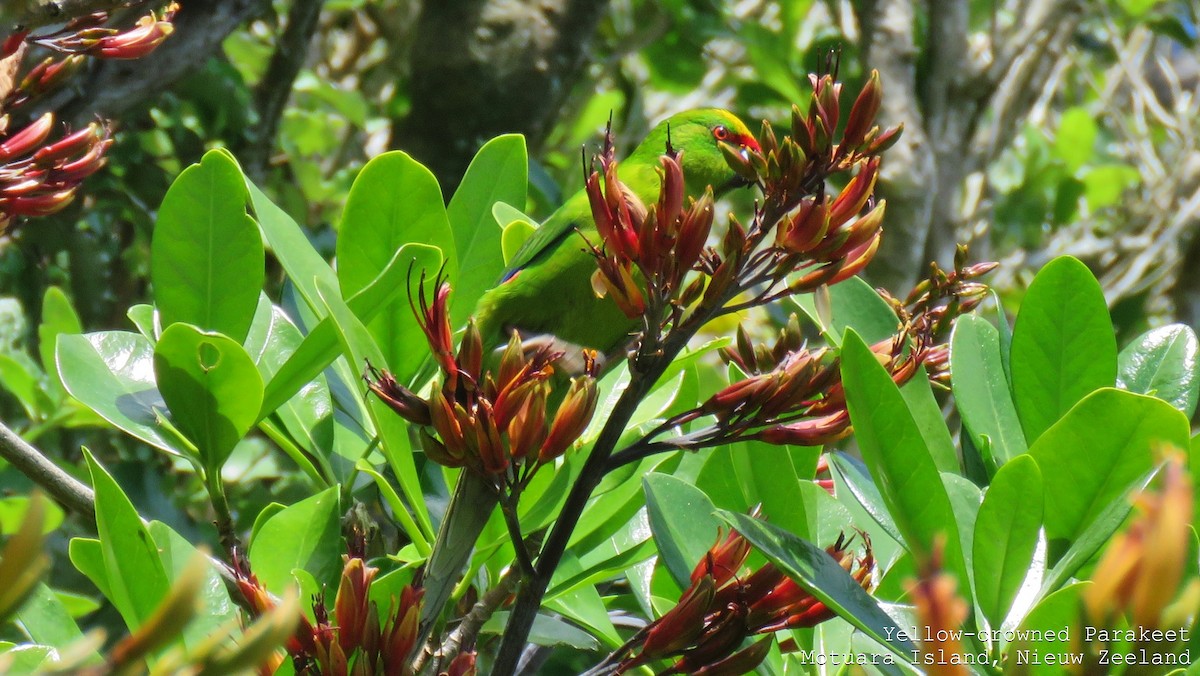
x: 547, y: 295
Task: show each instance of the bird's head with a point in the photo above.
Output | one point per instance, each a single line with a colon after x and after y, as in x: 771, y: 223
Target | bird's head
x: 698, y: 134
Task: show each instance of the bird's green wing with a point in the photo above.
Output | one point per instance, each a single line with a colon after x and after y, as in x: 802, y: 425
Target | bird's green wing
x: 550, y: 234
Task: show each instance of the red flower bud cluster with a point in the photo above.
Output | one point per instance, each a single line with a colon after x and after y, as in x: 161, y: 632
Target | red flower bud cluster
x: 488, y: 421
x: 353, y: 640
x: 89, y: 35
x: 721, y: 608
x: 663, y: 241
x: 36, y: 178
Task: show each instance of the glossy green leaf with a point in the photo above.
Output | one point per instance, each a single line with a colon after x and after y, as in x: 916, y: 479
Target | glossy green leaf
x: 895, y: 453
x: 681, y: 518
x: 816, y: 571
x: 211, y: 386
x: 496, y: 174
x: 305, y: 536
x: 856, y: 477
x: 320, y: 347
x: 392, y: 429
x: 46, y: 620
x: 981, y: 390
x: 394, y: 201
x: 206, y: 257
x: 1053, y: 628
x: 854, y: 304
x: 1095, y: 536
x: 20, y: 378
x: 1103, y: 444
x: 918, y: 394
x: 214, y: 609
x: 112, y: 372
x: 1163, y: 363
x: 136, y: 579
x: 291, y: 247
x: 513, y: 238
x: 1063, y: 346
x: 1006, y: 535
x: 87, y: 555
x: 58, y: 317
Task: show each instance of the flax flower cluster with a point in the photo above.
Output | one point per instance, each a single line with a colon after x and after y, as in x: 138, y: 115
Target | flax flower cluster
x: 723, y: 607
x: 353, y: 640
x: 41, y: 167
x: 497, y: 423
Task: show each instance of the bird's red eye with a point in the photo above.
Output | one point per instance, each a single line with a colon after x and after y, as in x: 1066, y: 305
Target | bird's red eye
x: 720, y: 133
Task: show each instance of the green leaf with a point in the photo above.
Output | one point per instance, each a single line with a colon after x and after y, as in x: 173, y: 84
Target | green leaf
x: 1103, y: 444
x: 136, y: 579
x: 918, y: 394
x: 895, y: 453
x: 681, y: 518
x: 394, y: 201
x: 815, y: 570
x: 291, y: 247
x: 1163, y: 363
x: 87, y: 555
x: 206, y: 256
x: 215, y: 610
x: 981, y: 389
x: 1063, y: 346
x: 391, y: 428
x: 496, y: 174
x: 513, y: 238
x: 1076, y: 137
x: 855, y: 475
x: 320, y: 347
x: 58, y: 317
x: 211, y: 386
x: 112, y: 373
x: 1006, y: 535
x: 1054, y: 630
x: 306, y: 535
x: 46, y: 620
x: 853, y: 304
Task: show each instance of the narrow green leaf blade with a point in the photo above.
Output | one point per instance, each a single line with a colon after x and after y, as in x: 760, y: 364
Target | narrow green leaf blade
x: 895, y: 453
x: 496, y: 174
x: 1006, y: 534
x: 981, y: 389
x: 136, y: 579
x: 814, y: 570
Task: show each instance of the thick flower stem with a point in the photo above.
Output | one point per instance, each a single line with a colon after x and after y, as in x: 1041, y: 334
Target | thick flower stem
x: 533, y: 589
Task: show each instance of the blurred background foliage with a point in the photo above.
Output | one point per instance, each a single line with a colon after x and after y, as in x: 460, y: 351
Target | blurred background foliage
x: 1033, y: 128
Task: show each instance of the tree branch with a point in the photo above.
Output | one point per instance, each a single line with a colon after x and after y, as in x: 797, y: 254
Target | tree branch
x: 512, y: 64
x: 113, y: 87
x: 38, y: 13
x: 272, y: 93
x: 68, y: 490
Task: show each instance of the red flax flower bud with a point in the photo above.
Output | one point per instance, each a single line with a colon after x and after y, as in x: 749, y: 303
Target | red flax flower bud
x: 681, y: 625
x: 571, y: 419
x: 724, y: 559
x: 862, y: 114
x: 135, y: 43
x: 434, y: 319
x: 352, y: 608
x: 809, y: 431
x: 399, y: 398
